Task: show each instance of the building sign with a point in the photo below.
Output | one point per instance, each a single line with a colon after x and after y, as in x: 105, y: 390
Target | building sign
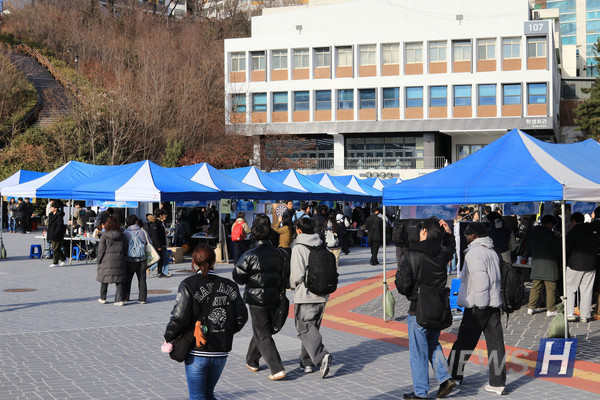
x: 536, y: 122
x: 536, y: 28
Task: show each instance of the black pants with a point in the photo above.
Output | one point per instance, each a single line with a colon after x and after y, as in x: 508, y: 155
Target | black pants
x: 57, y: 252
x: 374, y: 250
x: 118, y: 293
x: 239, y: 248
x: 346, y: 242
x: 474, y: 322
x: 136, y: 268
x: 262, y: 343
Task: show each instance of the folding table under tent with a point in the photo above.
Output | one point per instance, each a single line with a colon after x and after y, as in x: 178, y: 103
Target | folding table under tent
x: 514, y: 168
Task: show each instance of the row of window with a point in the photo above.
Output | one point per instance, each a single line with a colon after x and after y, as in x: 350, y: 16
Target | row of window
x: 462, y: 95
x: 390, y: 53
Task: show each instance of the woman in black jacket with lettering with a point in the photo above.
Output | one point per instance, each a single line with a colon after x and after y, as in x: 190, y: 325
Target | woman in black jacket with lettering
x: 215, y: 302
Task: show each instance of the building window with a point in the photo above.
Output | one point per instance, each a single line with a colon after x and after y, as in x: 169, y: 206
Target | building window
x: 414, y: 96
x: 462, y: 95
x: 323, y: 100
x: 536, y: 47
x: 438, y: 96
x: 367, y: 98
x: 461, y: 50
x: 258, y: 61
x: 344, y: 56
x: 280, y: 101
x: 345, y: 99
x: 414, y: 53
x: 390, y: 52
x: 302, y: 148
x: 465, y: 150
x: 259, y: 102
x: 486, y: 49
x: 279, y: 59
x: 536, y: 93
x: 511, y: 48
x: 322, y: 57
x: 511, y: 94
x: 487, y: 95
x: 393, y: 148
x: 437, y: 51
x: 238, y: 103
x: 367, y: 54
x: 301, y: 58
x: 391, y: 97
x: 238, y: 62
x: 301, y: 101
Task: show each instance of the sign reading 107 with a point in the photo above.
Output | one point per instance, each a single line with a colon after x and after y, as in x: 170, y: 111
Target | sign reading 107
x: 536, y: 28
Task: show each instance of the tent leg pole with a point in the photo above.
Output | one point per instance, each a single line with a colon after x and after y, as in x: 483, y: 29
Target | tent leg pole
x: 564, y: 264
x: 384, y: 260
x: 70, y: 233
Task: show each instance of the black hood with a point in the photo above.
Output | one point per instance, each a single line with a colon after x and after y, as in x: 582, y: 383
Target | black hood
x: 427, y: 246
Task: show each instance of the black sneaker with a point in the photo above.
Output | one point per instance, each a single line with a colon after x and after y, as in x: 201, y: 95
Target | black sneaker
x: 325, y: 365
x: 445, y: 388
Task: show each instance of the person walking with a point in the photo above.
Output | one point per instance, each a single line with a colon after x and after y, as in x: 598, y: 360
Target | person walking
x: 332, y: 234
x: 158, y: 238
x: 425, y: 264
x: 239, y: 232
x: 12, y: 210
x: 56, y: 233
x: 374, y: 227
x: 308, y: 307
x: 137, y: 239
x: 264, y: 270
x: 284, y: 228
x: 112, y: 264
x: 480, y: 294
x: 215, y: 302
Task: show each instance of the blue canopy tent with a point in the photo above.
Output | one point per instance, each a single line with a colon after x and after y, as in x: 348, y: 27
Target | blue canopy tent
x: 379, y: 184
x: 211, y: 177
x: 514, y: 168
x: 312, y: 190
x: 262, y: 180
x: 143, y: 181
x: 330, y: 182
x: 359, y: 186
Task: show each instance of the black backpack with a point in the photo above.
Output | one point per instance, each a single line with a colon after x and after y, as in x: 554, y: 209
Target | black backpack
x: 512, y: 288
x: 399, y: 236
x: 321, y: 272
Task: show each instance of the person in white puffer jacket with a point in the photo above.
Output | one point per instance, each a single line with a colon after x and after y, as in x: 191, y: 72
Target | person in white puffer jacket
x: 480, y: 294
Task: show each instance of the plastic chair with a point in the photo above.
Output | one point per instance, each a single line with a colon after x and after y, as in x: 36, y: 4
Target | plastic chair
x: 454, y: 288
x: 35, y: 251
x: 78, y: 254
x: 170, y: 255
x: 364, y: 242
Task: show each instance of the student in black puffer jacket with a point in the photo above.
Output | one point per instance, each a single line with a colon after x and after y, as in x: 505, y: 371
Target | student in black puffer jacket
x: 264, y: 270
x: 112, y: 263
x: 215, y: 302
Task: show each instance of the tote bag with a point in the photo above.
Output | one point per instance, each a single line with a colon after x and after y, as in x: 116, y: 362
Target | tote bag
x: 152, y: 256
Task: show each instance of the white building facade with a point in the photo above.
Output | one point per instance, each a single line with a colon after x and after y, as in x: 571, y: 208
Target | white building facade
x: 393, y: 88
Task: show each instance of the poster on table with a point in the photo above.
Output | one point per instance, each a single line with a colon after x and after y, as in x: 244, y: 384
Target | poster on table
x: 445, y: 212
x: 521, y: 208
x: 583, y: 207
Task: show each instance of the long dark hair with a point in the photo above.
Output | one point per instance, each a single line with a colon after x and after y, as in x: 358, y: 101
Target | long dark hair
x: 204, y: 258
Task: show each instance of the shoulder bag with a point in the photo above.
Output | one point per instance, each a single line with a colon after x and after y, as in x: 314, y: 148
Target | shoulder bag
x: 283, y: 305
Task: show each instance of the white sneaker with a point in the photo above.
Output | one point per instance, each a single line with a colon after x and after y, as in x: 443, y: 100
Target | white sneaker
x: 551, y: 313
x: 119, y: 303
x: 61, y: 263
x: 53, y: 265
x: 308, y: 369
x: 495, y: 389
x: 101, y: 301
x: 530, y: 311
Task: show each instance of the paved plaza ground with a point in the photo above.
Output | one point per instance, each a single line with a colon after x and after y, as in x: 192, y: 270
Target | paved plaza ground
x: 58, y: 342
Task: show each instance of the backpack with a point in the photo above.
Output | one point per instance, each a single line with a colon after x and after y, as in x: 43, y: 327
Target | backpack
x: 237, y: 233
x: 321, y: 272
x: 399, y: 235
x: 136, y: 247
x: 331, y: 239
x: 512, y: 288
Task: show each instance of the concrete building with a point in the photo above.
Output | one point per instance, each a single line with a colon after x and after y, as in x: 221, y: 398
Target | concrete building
x: 392, y: 88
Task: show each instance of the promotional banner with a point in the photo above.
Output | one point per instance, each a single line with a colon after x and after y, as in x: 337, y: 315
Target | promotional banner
x: 225, y: 206
x: 245, y: 206
x: 113, y: 204
x: 445, y: 212
x: 194, y: 203
x: 520, y: 208
x: 582, y: 207
x: 329, y: 203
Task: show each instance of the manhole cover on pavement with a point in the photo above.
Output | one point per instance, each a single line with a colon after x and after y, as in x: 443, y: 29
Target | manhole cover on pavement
x: 185, y: 271
x: 158, y: 291
x: 20, y: 290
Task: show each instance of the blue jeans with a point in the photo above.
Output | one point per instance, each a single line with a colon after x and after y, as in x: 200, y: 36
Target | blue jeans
x: 202, y: 374
x: 12, y: 223
x: 423, y: 346
x: 164, y: 261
